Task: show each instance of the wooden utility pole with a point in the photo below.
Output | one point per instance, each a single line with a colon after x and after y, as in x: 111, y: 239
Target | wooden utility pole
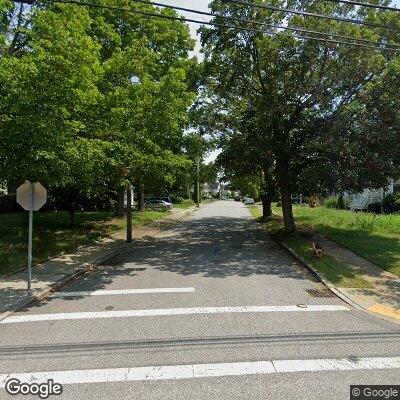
x: 198, y: 181
x: 129, y: 215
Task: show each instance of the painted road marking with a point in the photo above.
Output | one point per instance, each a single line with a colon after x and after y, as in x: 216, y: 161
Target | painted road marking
x: 173, y: 372
x: 123, y: 292
x: 170, y: 311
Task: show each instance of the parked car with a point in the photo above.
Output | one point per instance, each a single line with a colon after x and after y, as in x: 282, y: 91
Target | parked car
x: 248, y: 201
x: 158, y: 204
x: 167, y: 199
x: 237, y: 198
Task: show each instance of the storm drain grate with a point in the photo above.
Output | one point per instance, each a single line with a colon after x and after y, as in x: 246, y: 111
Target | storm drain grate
x: 320, y: 293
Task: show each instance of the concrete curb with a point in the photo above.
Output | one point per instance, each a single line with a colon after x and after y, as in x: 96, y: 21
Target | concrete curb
x: 320, y: 277
x: 78, y: 271
x: 65, y: 279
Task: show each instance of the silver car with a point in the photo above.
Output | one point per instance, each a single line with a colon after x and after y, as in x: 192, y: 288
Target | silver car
x: 248, y: 201
x: 158, y: 204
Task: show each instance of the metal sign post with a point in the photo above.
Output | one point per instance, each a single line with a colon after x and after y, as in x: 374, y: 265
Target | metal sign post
x: 30, y: 237
x: 31, y: 196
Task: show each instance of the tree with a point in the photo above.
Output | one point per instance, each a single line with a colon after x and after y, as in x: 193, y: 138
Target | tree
x: 92, y: 100
x: 46, y: 94
x: 297, y: 89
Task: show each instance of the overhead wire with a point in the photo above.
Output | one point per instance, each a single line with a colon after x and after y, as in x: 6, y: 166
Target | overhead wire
x: 217, y: 24
x: 312, y: 14
x: 268, y: 24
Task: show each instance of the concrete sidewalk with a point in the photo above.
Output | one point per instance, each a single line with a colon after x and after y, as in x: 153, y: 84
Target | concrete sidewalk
x: 384, y: 297
x: 59, y: 270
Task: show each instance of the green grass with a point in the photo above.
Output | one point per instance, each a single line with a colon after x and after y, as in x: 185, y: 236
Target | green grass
x: 332, y: 269
x: 186, y: 204
x: 374, y: 237
x: 53, y: 234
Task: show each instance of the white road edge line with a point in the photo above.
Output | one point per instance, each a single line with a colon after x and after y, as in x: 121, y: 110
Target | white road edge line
x: 174, y: 372
x: 123, y: 292
x: 171, y: 311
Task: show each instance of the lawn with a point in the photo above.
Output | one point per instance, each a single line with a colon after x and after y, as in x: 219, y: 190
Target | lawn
x: 184, y: 205
x: 332, y: 269
x: 374, y: 237
x: 53, y: 233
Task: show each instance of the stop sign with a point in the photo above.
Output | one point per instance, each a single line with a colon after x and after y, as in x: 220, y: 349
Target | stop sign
x: 31, y: 193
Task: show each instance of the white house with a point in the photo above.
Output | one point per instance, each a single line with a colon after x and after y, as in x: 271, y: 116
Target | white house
x: 211, y: 188
x: 360, y: 201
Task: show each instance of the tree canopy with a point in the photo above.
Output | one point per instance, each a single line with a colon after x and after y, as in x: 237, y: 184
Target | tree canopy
x: 304, y: 104
x: 93, y: 99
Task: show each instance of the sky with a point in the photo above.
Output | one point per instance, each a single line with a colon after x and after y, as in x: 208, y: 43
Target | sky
x: 201, y: 5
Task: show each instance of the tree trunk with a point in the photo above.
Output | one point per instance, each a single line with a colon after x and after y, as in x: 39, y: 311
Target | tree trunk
x: 266, y: 205
x: 71, y: 213
x: 120, y: 204
x: 286, y: 196
x: 140, y: 204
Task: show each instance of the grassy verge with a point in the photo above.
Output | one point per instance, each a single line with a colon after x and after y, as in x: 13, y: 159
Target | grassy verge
x: 186, y: 204
x: 374, y: 237
x: 53, y: 234
x: 333, y: 270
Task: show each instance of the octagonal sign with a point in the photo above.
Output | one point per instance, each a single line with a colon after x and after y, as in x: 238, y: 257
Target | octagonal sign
x: 31, y: 194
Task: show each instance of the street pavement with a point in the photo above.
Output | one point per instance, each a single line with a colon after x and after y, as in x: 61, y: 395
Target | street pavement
x: 210, y: 309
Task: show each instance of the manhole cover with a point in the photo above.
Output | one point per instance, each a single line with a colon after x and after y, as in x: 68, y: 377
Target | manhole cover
x: 320, y: 293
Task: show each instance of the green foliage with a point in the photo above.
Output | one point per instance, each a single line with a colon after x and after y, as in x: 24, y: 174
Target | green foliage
x: 306, y: 107
x: 53, y: 234
x: 72, y: 117
x: 333, y: 270
x: 177, y: 199
x: 375, y: 208
x: 331, y: 202
x: 374, y: 237
x: 341, y: 204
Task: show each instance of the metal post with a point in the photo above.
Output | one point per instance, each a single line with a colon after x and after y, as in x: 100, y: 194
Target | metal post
x: 31, y: 193
x: 129, y: 215
x: 198, y: 181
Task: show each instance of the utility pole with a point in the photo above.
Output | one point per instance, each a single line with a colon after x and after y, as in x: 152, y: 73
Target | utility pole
x: 198, y: 181
x: 129, y: 215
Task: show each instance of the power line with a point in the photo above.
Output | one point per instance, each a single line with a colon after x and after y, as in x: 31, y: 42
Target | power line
x: 368, y: 5
x: 210, y: 23
x: 276, y: 26
x: 312, y: 14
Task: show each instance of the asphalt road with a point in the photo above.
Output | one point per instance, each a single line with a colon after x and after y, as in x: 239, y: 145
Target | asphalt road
x: 211, y: 309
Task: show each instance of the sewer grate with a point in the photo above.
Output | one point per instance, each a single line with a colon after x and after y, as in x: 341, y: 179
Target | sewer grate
x: 320, y: 293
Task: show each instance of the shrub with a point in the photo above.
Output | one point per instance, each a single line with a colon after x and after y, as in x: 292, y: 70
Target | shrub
x: 374, y: 208
x: 177, y: 199
x: 312, y: 201
x: 331, y: 202
x: 8, y: 203
x: 390, y: 204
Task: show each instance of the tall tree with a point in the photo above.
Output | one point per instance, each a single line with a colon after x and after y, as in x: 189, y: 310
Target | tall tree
x: 297, y: 87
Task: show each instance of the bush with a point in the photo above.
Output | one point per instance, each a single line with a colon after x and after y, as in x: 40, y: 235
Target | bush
x: 374, y: 208
x: 391, y: 204
x: 331, y: 202
x: 8, y: 203
x: 312, y: 201
x: 340, y: 203
x: 177, y: 199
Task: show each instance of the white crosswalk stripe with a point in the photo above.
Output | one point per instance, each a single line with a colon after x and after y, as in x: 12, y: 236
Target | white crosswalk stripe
x: 171, y: 312
x: 123, y: 292
x: 174, y: 372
